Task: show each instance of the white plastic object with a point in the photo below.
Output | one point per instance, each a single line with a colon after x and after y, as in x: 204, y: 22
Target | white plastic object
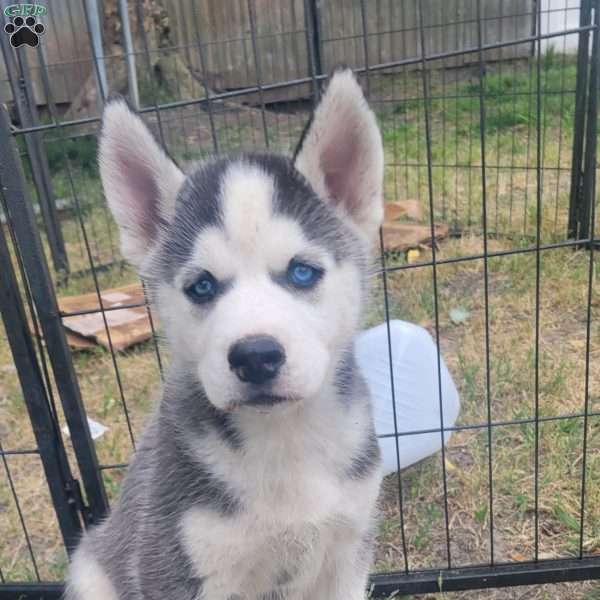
x: 97, y: 430
x: 416, y: 390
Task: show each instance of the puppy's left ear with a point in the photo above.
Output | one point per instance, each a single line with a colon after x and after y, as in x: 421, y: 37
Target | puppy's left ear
x: 341, y: 154
x: 140, y: 181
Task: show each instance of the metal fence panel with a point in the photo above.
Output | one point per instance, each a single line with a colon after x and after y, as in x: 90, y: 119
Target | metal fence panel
x: 490, y: 129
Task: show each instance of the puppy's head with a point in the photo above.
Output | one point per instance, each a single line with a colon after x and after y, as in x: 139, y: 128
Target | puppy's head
x: 257, y: 263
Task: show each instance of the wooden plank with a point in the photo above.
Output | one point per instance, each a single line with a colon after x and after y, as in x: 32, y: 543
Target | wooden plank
x: 404, y: 236
x: 128, y: 326
x: 225, y: 30
x: 343, y: 20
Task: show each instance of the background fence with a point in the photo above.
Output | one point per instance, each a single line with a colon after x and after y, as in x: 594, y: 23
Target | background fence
x: 488, y: 112
x: 282, y: 53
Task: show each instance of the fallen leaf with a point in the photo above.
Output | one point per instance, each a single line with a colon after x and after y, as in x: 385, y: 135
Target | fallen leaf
x: 449, y: 466
x: 459, y: 315
x: 413, y: 255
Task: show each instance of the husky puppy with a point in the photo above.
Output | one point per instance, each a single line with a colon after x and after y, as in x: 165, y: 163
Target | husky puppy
x: 257, y: 476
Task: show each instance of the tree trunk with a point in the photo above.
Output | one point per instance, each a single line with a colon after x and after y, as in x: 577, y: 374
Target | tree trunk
x: 168, y: 75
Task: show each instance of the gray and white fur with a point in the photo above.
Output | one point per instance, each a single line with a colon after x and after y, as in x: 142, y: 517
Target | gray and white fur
x: 257, y: 476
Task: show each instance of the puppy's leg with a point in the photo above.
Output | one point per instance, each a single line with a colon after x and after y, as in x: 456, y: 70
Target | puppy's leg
x: 87, y: 579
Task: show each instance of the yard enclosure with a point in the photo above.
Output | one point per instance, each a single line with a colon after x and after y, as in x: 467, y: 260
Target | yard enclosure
x: 488, y: 113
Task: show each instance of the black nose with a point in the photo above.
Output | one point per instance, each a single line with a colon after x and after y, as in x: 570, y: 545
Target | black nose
x: 256, y: 359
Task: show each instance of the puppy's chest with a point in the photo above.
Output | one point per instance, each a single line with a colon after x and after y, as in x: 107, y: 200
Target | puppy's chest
x: 258, y: 551
x: 293, y: 507
x: 300, y: 485
x: 293, y: 473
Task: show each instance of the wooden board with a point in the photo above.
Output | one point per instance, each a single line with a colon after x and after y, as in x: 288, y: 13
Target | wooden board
x: 399, y: 237
x: 127, y: 324
x: 231, y: 60
x: 411, y: 209
x: 403, y: 236
x: 280, y: 50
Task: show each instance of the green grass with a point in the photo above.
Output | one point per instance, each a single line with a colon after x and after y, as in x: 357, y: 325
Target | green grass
x: 455, y: 117
x: 80, y: 153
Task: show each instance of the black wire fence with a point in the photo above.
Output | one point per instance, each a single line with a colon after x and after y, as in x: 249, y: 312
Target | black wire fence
x: 488, y: 111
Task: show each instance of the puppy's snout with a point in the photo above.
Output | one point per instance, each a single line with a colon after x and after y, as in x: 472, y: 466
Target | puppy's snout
x: 256, y: 359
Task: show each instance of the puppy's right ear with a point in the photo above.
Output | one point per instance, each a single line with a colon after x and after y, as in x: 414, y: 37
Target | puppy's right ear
x: 140, y: 181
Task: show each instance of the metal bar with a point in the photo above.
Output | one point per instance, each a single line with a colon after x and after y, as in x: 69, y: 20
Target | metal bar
x: 27, y: 236
x: 458, y: 259
x: 453, y: 428
x: 313, y: 26
x: 473, y: 426
x: 311, y: 45
x: 589, y: 197
x: 115, y: 466
x: 134, y: 94
x: 26, y: 452
x: 589, y: 161
x: 31, y: 591
x: 559, y: 158
x: 92, y: 311
x: 51, y: 450
x: 486, y: 279
x: 386, y: 301
x: 257, y: 67
x: 473, y: 578
x: 475, y: 165
x: 204, y: 77
x: 365, y: 48
x: 434, y: 275
x: 92, y: 18
x: 139, y: 8
x: 97, y: 268
x: 579, y: 118
x: 538, y: 283
x: 155, y: 336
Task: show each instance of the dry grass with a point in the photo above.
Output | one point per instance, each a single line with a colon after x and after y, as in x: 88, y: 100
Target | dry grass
x: 511, y: 305
x: 563, y: 299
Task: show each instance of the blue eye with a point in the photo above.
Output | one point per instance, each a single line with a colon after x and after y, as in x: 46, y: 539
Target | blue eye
x: 204, y: 289
x: 302, y: 275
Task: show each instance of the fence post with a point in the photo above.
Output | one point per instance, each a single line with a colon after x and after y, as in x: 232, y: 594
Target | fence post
x: 581, y: 87
x: 313, y: 33
x: 92, y: 18
x: 588, y: 183
x: 134, y: 95
x: 45, y: 428
x: 27, y: 237
x: 19, y: 78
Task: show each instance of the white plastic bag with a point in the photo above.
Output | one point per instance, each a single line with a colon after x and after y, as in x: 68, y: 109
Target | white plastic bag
x: 415, y: 369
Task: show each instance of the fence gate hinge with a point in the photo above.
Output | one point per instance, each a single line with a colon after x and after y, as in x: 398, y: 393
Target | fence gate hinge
x: 75, y: 498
